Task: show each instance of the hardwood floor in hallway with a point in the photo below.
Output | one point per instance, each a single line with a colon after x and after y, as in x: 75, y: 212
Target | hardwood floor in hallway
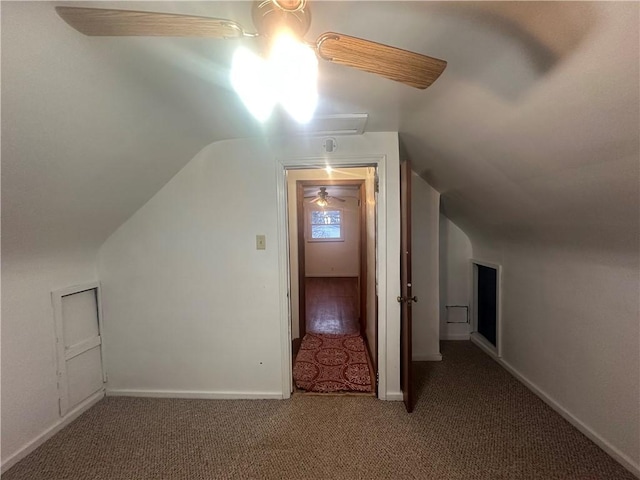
x: 332, y: 305
x: 333, y: 357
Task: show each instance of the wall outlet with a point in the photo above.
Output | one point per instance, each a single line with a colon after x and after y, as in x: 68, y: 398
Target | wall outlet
x: 261, y: 242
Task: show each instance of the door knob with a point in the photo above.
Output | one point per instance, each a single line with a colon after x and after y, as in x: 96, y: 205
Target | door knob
x: 413, y: 299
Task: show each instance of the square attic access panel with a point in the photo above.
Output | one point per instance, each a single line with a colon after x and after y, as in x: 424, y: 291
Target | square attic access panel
x: 330, y: 125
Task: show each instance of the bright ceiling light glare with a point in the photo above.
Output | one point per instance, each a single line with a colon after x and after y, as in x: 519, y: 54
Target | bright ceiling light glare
x: 252, y: 80
x: 288, y: 76
x: 295, y: 69
x: 328, y: 169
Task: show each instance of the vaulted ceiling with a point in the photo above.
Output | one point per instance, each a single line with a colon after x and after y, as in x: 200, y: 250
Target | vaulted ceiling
x: 531, y: 130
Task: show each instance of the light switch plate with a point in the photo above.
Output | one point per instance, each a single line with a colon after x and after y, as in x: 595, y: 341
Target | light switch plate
x: 261, y: 242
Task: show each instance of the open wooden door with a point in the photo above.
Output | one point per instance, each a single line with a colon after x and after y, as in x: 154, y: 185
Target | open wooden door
x: 406, y: 298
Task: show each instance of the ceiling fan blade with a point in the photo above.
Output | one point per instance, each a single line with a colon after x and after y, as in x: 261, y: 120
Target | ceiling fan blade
x: 337, y: 198
x: 106, y: 22
x: 410, y: 68
x: 314, y: 200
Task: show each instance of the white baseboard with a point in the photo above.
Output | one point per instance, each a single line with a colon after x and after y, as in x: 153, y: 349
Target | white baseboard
x: 195, y: 394
x: 332, y: 275
x: 455, y: 336
x: 617, y: 455
x: 484, y: 344
x: 51, y: 431
x: 394, y: 397
x: 427, y: 357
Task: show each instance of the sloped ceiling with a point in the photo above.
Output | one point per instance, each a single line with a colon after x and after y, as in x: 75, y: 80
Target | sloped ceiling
x: 533, y: 127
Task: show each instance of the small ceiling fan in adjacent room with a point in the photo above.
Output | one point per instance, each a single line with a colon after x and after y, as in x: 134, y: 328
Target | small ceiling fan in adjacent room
x: 323, y: 199
x: 288, y: 76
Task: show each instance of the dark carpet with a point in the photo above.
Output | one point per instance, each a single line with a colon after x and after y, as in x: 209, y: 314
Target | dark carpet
x: 472, y: 421
x: 332, y: 363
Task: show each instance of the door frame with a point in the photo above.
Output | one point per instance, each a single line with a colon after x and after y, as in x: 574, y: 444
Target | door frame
x: 294, y: 163
x: 362, y: 270
x: 476, y: 337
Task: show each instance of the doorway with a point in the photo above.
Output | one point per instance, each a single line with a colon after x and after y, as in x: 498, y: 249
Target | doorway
x: 486, y: 307
x: 332, y: 239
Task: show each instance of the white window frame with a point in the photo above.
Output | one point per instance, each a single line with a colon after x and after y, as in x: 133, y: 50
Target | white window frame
x: 309, y: 224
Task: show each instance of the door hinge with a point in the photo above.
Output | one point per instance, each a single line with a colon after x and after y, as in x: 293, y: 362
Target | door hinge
x: 376, y: 183
x: 377, y: 378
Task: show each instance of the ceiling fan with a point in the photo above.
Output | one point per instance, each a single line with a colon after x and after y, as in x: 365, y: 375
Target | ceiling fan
x: 269, y: 17
x: 322, y: 199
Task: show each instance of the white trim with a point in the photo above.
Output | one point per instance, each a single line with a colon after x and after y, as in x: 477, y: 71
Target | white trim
x: 116, y: 392
x: 381, y: 275
x: 297, y: 163
x: 63, y: 292
x: 427, y: 357
x: 620, y: 457
x: 484, y: 344
x: 61, y: 363
x: 101, y: 328
x: 474, y: 303
x: 455, y: 336
x: 308, y: 227
x: 52, y: 430
x: 286, y: 367
x: 395, y: 397
x: 332, y: 275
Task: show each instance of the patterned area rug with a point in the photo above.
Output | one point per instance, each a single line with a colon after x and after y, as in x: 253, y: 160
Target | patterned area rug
x: 332, y: 363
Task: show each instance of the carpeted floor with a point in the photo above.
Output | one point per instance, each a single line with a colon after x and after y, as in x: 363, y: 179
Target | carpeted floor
x: 332, y: 363
x: 472, y: 421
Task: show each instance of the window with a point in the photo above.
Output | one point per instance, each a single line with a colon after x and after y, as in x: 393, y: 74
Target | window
x: 325, y: 226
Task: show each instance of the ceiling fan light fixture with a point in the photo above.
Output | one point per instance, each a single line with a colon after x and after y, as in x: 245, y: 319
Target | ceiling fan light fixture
x: 295, y: 68
x: 290, y: 5
x: 289, y: 76
x: 251, y: 79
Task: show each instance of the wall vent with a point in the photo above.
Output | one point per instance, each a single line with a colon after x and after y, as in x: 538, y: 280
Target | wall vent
x: 328, y: 125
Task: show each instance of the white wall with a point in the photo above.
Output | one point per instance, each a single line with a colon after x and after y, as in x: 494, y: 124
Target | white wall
x: 571, y: 330
x: 425, y: 208
x: 336, y: 259
x: 191, y: 308
x: 455, y: 280
x: 29, y: 381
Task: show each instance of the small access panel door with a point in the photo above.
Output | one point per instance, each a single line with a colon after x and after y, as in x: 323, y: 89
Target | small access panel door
x: 79, y: 345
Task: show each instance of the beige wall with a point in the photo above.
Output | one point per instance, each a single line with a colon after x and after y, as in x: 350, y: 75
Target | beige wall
x: 425, y: 212
x: 455, y: 280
